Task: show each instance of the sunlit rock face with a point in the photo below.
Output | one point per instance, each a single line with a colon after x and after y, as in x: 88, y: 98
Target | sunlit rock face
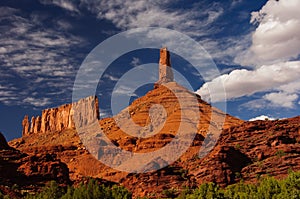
x: 60, y: 118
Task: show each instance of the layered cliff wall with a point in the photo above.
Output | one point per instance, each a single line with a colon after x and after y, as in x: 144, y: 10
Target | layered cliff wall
x: 85, y: 111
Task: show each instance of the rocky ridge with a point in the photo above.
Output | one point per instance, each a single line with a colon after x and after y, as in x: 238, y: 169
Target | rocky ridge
x: 66, y: 144
x: 244, y: 151
x: 62, y: 117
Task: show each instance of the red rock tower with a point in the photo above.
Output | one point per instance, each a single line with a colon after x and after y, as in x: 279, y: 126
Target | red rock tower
x: 165, y: 70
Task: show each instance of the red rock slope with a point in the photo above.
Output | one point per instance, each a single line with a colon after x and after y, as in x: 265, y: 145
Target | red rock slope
x: 68, y: 147
x: 29, y: 172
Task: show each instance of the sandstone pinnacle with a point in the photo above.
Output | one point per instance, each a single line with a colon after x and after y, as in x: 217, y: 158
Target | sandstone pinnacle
x: 165, y: 69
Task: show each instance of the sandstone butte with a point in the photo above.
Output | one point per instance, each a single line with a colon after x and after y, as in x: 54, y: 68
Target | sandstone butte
x: 244, y: 150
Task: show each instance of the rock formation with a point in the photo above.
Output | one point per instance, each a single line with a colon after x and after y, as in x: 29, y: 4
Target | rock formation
x: 244, y: 150
x: 3, y: 143
x: 25, y: 170
x: 165, y: 70
x: 25, y: 125
x: 56, y: 119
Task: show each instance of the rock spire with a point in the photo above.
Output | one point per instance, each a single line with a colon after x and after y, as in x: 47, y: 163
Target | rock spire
x: 165, y: 69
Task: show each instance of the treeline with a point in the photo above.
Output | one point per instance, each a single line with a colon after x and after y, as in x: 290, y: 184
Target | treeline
x: 89, y: 191
x: 93, y: 189
x: 266, y: 188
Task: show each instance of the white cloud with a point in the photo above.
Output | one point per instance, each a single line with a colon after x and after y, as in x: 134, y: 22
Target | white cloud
x: 274, y: 47
x: 3, y: 50
x: 277, y: 37
x: 65, y: 4
x: 129, y: 14
x: 38, y: 56
x: 235, y: 3
x: 6, y: 93
x: 105, y: 113
x: 7, y: 11
x: 244, y: 82
x: 196, y: 20
x: 123, y: 90
x: 292, y: 87
x: 262, y: 117
x: 225, y: 49
x: 257, y: 104
x: 37, y: 102
x: 281, y: 99
x: 135, y: 61
x: 64, y: 25
x: 111, y: 77
x: 273, y: 100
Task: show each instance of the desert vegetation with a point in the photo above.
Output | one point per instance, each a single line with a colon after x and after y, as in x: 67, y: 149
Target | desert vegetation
x: 267, y: 187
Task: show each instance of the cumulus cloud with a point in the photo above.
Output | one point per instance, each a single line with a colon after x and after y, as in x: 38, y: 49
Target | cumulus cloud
x: 244, y: 82
x: 273, y: 51
x: 273, y: 100
x: 277, y: 37
x: 281, y: 99
x: 262, y: 117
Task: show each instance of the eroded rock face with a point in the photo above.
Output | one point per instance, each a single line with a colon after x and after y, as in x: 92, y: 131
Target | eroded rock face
x: 46, y: 166
x: 164, y: 58
x: 244, y: 151
x: 38, y: 169
x: 25, y: 170
x: 25, y: 125
x: 62, y: 117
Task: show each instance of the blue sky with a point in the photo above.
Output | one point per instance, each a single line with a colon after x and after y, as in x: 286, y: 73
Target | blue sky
x: 255, y: 45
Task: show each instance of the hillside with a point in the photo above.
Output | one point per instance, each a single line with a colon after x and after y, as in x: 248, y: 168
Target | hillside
x: 166, y: 140
x: 245, y: 150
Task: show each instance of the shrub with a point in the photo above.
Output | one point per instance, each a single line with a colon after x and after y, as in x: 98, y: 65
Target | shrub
x: 89, y: 191
x: 237, y: 146
x: 206, y: 190
x: 268, y: 187
x: 50, y: 191
x: 280, y: 153
x: 170, y: 193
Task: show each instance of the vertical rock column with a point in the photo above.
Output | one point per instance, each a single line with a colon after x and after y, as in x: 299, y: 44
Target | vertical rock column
x: 25, y: 126
x: 37, y: 125
x: 165, y: 69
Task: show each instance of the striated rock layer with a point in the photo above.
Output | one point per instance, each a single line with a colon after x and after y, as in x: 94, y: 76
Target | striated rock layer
x: 244, y: 151
x: 62, y: 117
